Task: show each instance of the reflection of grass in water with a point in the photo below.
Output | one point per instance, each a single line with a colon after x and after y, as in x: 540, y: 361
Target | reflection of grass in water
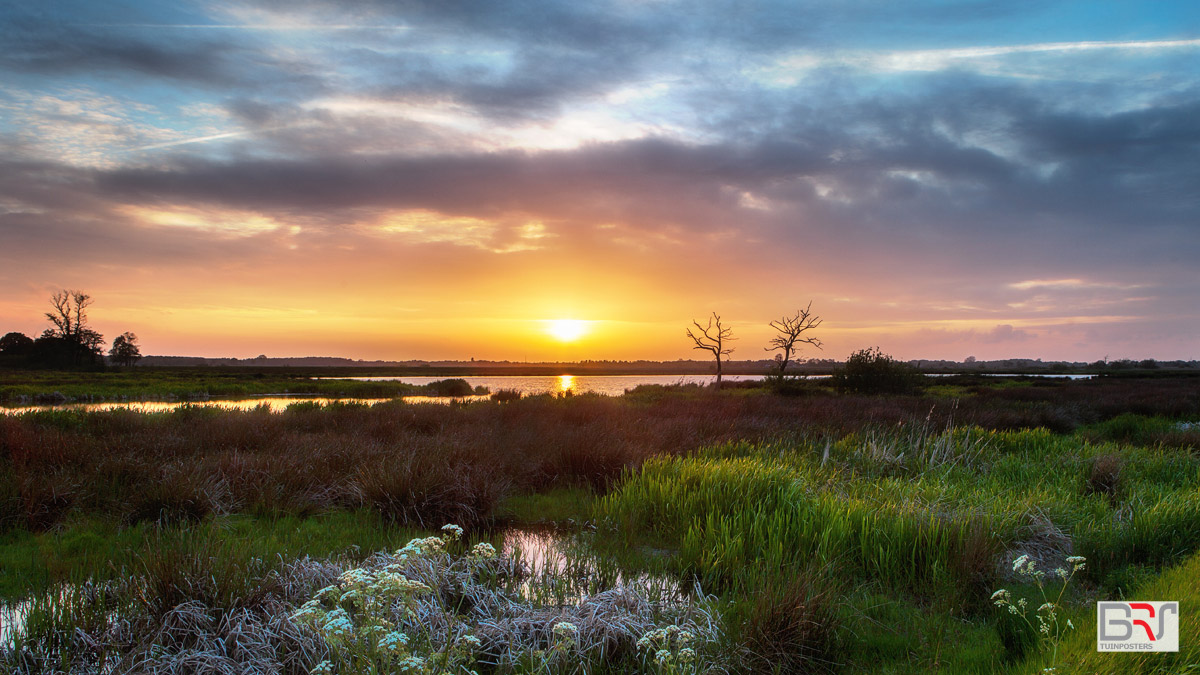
x: 564, y: 568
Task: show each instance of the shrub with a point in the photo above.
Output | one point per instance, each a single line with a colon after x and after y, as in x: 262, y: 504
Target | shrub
x: 788, y: 385
x: 506, y: 395
x: 792, y: 625
x: 1104, y: 477
x: 451, y: 387
x: 870, y: 371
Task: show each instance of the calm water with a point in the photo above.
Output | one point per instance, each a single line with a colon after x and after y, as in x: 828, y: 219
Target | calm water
x: 607, y: 385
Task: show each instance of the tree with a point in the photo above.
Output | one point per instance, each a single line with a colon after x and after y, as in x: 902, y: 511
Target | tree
x: 870, y: 371
x: 15, y: 349
x: 712, y: 338
x: 125, y: 350
x: 791, y: 331
x: 15, y: 344
x: 70, y: 333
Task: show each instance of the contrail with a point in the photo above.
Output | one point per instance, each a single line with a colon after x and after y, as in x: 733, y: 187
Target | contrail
x: 250, y: 26
x: 186, y: 141
x: 934, y: 59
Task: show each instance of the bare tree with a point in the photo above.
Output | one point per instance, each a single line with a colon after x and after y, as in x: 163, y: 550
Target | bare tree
x: 791, y: 331
x: 712, y: 338
x: 69, y: 318
x: 70, y: 314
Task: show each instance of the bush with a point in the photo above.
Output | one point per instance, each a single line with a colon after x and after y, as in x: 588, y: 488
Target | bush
x: 870, y: 371
x: 792, y: 624
x: 788, y: 385
x: 1104, y: 477
x: 451, y: 387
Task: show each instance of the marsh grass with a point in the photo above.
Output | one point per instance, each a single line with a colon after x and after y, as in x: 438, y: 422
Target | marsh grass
x: 928, y: 516
x: 102, y: 551
x: 1078, y: 654
x: 28, y: 386
x: 871, y: 526
x: 790, y: 623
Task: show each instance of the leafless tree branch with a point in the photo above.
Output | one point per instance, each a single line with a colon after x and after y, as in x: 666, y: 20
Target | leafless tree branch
x: 791, y: 332
x: 712, y: 338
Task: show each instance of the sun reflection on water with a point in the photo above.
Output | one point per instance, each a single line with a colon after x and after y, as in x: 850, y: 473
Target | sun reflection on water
x: 566, y: 383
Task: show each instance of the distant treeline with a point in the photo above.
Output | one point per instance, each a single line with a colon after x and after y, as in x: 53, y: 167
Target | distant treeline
x: 644, y: 367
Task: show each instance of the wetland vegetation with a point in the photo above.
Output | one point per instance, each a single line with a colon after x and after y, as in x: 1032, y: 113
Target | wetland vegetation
x: 802, y: 528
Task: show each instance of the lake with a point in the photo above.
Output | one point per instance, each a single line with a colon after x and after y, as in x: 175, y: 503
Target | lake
x: 606, y: 385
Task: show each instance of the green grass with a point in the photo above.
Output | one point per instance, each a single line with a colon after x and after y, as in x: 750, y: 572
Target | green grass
x: 913, y: 521
x: 18, y: 386
x: 840, y: 533
x: 555, y: 506
x: 98, y: 551
x: 1078, y: 654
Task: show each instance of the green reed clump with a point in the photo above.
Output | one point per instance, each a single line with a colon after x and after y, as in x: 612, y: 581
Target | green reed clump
x: 1152, y: 530
x: 726, y: 515
x: 789, y: 622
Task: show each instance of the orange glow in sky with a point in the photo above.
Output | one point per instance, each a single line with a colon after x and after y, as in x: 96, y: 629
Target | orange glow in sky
x: 567, y: 330
x: 405, y: 181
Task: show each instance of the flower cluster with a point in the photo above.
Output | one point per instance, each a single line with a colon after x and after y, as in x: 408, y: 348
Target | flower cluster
x: 669, y: 649
x: 413, y: 611
x: 565, y: 629
x: 1048, y: 627
x: 352, y: 615
x: 483, y: 551
x: 393, y: 643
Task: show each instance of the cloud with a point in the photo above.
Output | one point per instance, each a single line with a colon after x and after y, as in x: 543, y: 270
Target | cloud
x: 932, y: 161
x: 1006, y: 333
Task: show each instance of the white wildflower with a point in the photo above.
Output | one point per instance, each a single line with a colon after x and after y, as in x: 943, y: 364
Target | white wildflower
x: 412, y: 663
x: 309, y: 612
x: 393, y: 643
x: 357, y: 578
x: 453, y: 532
x: 322, y: 668
x: 565, y: 629
x: 1020, y: 563
x: 338, y: 627
x: 483, y: 550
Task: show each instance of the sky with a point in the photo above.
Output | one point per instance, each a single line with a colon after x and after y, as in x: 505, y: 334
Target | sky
x: 445, y: 179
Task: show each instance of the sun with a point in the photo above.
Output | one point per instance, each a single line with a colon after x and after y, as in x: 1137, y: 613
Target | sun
x: 567, y: 330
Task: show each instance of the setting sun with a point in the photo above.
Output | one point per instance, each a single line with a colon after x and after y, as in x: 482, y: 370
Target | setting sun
x: 567, y: 330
